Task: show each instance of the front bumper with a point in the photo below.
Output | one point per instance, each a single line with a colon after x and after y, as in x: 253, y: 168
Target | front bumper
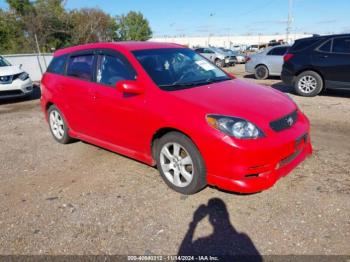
x: 255, y: 165
x: 17, y: 88
x: 249, y: 67
x: 261, y: 178
x: 230, y: 61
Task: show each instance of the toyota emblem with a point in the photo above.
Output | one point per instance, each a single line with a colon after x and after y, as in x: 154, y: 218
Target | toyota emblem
x: 290, y: 121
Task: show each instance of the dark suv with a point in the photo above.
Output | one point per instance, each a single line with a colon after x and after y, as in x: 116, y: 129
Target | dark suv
x: 315, y: 63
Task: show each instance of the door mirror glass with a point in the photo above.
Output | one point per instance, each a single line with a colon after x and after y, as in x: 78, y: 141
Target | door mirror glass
x: 129, y: 87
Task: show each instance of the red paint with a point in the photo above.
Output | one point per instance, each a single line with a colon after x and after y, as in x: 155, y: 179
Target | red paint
x: 126, y: 124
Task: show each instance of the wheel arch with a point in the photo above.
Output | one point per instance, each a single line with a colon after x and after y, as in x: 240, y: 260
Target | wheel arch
x: 312, y: 69
x: 161, y: 132
x: 48, y: 105
x: 262, y: 64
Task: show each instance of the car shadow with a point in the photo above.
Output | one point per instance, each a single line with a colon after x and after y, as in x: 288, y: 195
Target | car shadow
x: 34, y: 96
x: 251, y: 76
x: 328, y: 92
x: 224, y: 242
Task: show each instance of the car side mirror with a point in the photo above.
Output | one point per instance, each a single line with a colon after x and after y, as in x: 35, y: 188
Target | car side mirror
x: 129, y: 87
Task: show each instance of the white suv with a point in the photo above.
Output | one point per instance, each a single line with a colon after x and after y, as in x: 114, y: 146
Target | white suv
x: 14, y: 82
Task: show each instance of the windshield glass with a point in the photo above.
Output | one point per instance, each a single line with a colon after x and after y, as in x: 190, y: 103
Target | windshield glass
x: 4, y: 62
x: 178, y: 68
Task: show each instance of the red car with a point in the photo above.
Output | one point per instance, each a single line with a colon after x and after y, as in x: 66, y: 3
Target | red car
x: 165, y: 105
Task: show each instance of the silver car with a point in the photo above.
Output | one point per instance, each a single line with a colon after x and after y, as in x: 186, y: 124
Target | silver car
x: 219, y: 57
x: 239, y: 56
x: 267, y: 63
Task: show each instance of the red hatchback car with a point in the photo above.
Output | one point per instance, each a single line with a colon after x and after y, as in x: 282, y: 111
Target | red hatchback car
x: 165, y: 105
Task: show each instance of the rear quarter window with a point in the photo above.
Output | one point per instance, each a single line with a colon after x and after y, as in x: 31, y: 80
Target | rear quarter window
x: 57, y: 65
x: 300, y: 45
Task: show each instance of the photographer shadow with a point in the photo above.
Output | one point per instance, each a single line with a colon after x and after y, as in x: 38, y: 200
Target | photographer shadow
x: 225, y: 241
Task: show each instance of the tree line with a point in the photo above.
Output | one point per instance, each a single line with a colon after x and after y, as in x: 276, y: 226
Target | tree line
x: 50, y: 25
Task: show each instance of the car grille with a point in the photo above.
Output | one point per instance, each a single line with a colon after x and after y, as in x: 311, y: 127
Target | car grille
x: 10, y: 93
x: 5, y: 80
x: 230, y: 58
x: 284, y: 122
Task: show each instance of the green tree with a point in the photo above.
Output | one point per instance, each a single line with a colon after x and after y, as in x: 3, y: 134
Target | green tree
x: 12, y: 39
x: 133, y: 26
x: 92, y: 25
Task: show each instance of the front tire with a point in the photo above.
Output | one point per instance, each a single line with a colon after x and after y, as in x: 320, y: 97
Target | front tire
x: 261, y: 72
x: 58, y: 126
x: 219, y: 62
x: 308, y: 83
x: 180, y: 164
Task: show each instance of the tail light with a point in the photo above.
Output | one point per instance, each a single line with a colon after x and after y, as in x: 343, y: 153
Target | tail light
x: 287, y: 57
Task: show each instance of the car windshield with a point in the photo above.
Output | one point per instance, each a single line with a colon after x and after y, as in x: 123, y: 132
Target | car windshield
x: 4, y: 62
x: 178, y: 68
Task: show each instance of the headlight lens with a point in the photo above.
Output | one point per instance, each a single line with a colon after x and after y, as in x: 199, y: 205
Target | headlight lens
x: 233, y: 126
x: 23, y: 76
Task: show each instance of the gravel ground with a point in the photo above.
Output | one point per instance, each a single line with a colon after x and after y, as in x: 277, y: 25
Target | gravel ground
x: 81, y: 199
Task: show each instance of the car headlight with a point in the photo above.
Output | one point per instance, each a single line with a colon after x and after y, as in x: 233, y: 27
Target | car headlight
x: 233, y: 126
x: 23, y: 76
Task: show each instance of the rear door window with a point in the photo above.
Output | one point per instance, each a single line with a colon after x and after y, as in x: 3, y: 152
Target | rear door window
x: 278, y: 51
x: 81, y: 66
x: 326, y: 47
x: 341, y: 45
x: 302, y: 44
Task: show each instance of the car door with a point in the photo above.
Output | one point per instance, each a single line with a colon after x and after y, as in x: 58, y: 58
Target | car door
x: 209, y: 54
x: 118, y: 114
x: 332, y: 58
x: 274, y: 59
x: 76, y: 87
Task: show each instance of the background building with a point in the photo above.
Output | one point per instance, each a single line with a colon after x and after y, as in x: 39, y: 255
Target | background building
x: 227, y: 41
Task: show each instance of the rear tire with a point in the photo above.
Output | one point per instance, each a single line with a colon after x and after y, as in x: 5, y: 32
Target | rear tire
x: 58, y: 126
x: 180, y: 164
x: 308, y: 83
x: 261, y: 72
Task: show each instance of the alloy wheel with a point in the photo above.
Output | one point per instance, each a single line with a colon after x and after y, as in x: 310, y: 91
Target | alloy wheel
x: 176, y: 164
x: 307, y: 84
x: 56, y: 124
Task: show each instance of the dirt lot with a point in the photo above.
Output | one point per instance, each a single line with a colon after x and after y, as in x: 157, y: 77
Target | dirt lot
x: 81, y: 199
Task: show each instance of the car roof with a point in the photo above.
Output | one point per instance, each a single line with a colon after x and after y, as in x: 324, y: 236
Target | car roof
x: 322, y: 37
x: 125, y: 45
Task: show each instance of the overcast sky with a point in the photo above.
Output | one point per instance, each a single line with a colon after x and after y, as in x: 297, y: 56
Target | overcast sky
x: 203, y: 17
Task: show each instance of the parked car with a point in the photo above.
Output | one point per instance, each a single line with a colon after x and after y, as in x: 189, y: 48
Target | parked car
x: 253, y: 48
x: 317, y: 63
x: 239, y: 57
x: 267, y: 63
x: 219, y: 57
x: 14, y: 82
x: 165, y: 105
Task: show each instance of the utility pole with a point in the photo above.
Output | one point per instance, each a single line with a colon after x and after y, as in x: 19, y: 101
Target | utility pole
x: 290, y: 20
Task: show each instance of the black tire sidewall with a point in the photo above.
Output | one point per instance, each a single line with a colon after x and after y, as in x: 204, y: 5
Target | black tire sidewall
x: 266, y: 72
x: 198, y: 181
x: 66, y: 138
x: 319, y: 81
x: 219, y: 62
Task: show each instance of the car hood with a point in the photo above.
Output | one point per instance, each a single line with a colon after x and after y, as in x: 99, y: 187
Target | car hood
x: 239, y: 98
x: 10, y: 70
